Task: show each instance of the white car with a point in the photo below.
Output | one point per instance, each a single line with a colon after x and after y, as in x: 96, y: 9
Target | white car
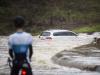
x: 62, y: 38
x: 57, y: 34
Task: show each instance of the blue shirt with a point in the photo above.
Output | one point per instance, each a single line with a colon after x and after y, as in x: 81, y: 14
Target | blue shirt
x: 19, y: 42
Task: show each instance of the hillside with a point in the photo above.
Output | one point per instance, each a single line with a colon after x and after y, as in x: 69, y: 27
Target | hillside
x: 45, y: 14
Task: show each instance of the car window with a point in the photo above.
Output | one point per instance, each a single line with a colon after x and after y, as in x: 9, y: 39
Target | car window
x: 64, y: 34
x: 45, y: 34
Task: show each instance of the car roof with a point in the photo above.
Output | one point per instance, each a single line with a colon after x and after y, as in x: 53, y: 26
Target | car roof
x: 56, y: 30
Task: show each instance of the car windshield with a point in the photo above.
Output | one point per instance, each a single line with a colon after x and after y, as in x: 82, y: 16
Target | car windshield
x: 64, y: 34
x: 45, y: 34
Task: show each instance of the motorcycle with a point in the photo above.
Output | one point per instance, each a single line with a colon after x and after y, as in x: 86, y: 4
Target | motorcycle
x: 24, y: 69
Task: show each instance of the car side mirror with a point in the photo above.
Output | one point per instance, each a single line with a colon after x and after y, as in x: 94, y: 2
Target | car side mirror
x: 39, y: 36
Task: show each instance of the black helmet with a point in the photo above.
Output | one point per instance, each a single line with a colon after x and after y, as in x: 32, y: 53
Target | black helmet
x: 19, y: 21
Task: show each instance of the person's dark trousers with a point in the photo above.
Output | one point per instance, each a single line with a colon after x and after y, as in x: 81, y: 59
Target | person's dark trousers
x: 17, y: 66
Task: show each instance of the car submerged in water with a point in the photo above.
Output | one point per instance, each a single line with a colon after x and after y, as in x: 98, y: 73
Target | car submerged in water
x: 57, y: 34
x: 62, y: 37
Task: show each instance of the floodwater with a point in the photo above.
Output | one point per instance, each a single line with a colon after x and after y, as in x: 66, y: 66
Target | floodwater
x: 46, y: 51
x: 84, y: 58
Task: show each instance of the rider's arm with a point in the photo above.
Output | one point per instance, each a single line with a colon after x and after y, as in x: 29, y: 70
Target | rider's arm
x: 11, y: 53
x: 31, y: 51
x: 30, y: 46
x: 10, y: 47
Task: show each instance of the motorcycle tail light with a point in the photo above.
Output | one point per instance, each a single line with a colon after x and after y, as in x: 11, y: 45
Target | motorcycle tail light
x: 23, y: 72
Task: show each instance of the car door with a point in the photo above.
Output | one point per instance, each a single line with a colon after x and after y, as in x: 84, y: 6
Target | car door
x: 65, y: 36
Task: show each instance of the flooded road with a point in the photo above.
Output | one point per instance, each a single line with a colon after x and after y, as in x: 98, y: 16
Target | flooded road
x: 42, y: 63
x: 84, y: 58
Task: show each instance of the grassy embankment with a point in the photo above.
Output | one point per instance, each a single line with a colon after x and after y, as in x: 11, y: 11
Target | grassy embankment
x: 89, y: 28
x: 50, y: 14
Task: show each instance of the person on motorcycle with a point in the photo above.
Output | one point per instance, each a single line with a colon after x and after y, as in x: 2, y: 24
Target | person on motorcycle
x: 20, y: 46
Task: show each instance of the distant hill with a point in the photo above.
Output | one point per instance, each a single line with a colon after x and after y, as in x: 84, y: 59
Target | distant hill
x: 45, y: 14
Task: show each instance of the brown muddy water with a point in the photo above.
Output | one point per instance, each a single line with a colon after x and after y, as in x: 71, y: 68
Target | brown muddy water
x: 84, y: 60
x: 86, y: 57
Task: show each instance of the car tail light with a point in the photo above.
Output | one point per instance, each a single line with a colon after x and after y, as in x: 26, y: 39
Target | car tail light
x: 23, y: 72
x: 49, y: 38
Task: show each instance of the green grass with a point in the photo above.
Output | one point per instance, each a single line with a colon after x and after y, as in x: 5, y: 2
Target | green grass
x: 88, y: 28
